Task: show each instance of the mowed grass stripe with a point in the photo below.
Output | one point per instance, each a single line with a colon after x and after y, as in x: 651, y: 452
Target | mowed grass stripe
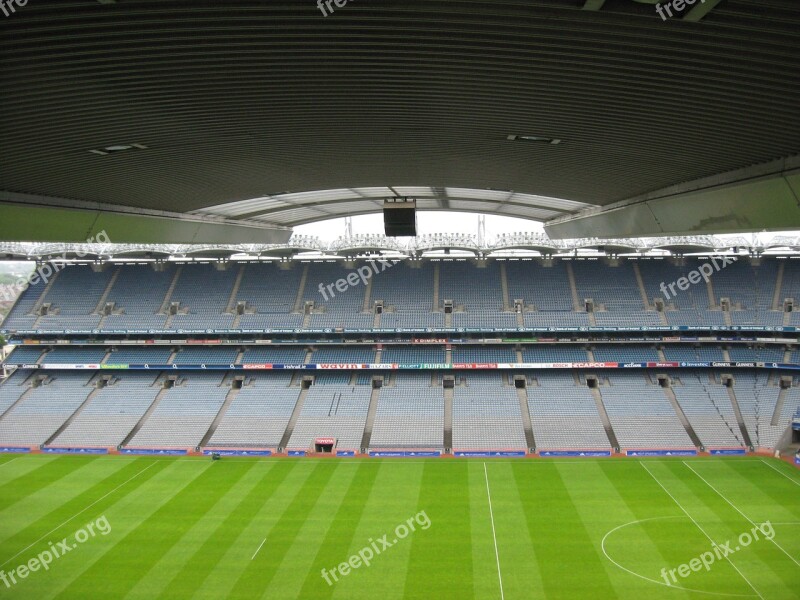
x: 761, y: 563
x: 259, y: 573
x: 49, y: 507
x: 153, y: 537
x: 204, y: 558
x: 448, y: 542
x: 223, y: 577
x: 393, y: 499
x: 125, y: 509
x: 163, y: 572
x: 771, y: 554
x: 521, y: 577
x: 340, y: 534
x: 664, y: 539
x: 568, y: 562
x: 763, y: 489
x: 18, y: 478
x: 298, y: 561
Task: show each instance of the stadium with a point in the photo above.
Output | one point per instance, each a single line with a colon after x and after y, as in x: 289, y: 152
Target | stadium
x: 250, y: 349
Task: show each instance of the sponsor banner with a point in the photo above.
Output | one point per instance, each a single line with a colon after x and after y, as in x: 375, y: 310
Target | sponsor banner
x: 474, y: 365
x: 398, y: 454
x: 427, y: 330
x: 797, y: 460
x: 154, y: 451
x: 296, y: 453
x: 663, y: 365
x: 346, y: 453
x: 502, y: 454
x: 661, y: 453
x: 728, y: 452
x: 14, y: 450
x: 325, y: 441
x: 429, y: 341
x: 228, y: 452
x: 575, y: 453
x: 50, y: 450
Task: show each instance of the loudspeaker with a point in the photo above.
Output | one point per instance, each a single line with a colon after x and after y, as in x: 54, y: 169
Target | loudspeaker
x: 400, y: 218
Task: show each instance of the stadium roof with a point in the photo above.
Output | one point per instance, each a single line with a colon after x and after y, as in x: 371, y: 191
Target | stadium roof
x: 230, y: 122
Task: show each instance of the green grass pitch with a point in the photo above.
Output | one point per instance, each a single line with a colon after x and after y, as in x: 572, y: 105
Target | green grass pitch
x: 247, y: 528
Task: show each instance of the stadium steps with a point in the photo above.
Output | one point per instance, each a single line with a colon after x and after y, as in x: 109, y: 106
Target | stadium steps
x: 90, y: 396
x: 156, y: 401
x: 41, y: 299
x: 448, y: 320
x: 787, y: 319
x: 102, y: 302
x: 640, y: 284
x: 448, y: 419
x: 229, y: 398
x: 712, y: 298
x: 309, y: 357
x: 504, y: 287
x: 727, y: 316
x: 726, y: 356
x: 435, y: 288
x: 522, y: 395
x: 739, y: 418
x: 776, y: 297
x: 298, y: 408
x: 776, y: 415
x: 367, y: 297
x: 17, y: 402
x: 235, y: 291
x: 661, y: 355
x: 376, y: 321
x: 670, y: 394
x: 168, y: 296
x: 787, y: 356
x: 573, y: 287
x: 371, y: 412
x: 378, y: 355
x: 298, y: 301
x: 601, y: 410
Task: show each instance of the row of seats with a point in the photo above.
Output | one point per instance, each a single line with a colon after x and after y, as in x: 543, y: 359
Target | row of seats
x: 486, y: 410
x: 400, y: 354
x: 207, y: 295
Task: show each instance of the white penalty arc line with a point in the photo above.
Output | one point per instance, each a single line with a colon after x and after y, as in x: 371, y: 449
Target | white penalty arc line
x: 259, y: 549
x: 494, y: 532
x: 635, y: 574
x: 76, y: 515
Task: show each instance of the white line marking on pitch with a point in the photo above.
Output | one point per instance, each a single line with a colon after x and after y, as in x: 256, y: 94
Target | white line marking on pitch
x: 9, y: 461
x: 677, y: 587
x: 78, y: 514
x: 794, y: 560
x: 777, y: 470
x: 259, y: 549
x: 710, y: 539
x: 494, y: 533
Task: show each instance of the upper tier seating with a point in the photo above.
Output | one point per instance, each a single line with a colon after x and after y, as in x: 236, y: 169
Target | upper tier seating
x: 140, y: 295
